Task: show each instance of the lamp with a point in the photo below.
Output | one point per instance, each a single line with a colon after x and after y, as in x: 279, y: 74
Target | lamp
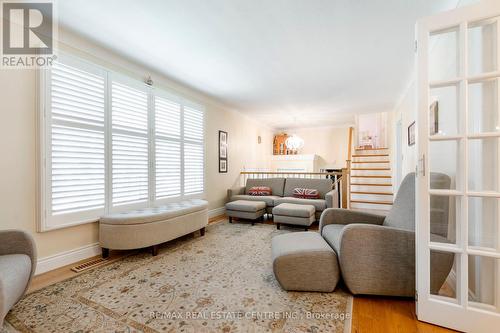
x: 294, y: 142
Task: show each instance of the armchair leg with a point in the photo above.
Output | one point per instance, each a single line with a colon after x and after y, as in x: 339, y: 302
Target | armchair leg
x: 105, y: 253
x: 202, y: 231
x: 230, y: 219
x: 277, y: 226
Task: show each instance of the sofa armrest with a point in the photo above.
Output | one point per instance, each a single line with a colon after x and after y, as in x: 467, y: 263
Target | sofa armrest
x: 18, y: 242
x: 378, y: 260
x: 346, y: 216
x: 332, y: 199
x: 235, y: 191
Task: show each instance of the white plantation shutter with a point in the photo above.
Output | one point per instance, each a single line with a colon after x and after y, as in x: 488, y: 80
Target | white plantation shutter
x: 130, y: 162
x: 194, y: 150
x: 109, y: 143
x: 167, y: 148
x: 76, y: 162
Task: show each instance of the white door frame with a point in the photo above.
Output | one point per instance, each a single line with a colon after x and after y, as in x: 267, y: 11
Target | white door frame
x: 460, y: 314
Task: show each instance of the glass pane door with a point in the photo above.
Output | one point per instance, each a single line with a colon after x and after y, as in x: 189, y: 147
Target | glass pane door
x: 458, y: 184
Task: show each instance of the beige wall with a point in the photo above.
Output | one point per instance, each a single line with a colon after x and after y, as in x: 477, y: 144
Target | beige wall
x: 18, y: 146
x: 329, y: 143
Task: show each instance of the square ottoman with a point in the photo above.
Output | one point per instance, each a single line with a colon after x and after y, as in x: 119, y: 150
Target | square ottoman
x: 244, y: 209
x: 303, y: 261
x: 288, y: 213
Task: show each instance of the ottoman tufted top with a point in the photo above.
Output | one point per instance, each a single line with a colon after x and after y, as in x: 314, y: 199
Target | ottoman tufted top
x: 153, y: 214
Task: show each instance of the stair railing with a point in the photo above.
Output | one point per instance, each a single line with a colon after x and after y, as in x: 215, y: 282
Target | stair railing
x: 346, y: 174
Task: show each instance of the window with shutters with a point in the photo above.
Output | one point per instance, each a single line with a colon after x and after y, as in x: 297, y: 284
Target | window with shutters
x: 110, y: 143
x: 193, y: 150
x: 167, y: 147
x: 75, y: 143
x: 130, y: 152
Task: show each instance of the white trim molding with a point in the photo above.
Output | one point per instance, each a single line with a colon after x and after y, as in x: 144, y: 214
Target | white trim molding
x: 66, y: 258
x: 216, y: 212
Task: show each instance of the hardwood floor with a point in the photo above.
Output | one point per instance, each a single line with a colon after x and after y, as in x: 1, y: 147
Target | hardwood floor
x: 388, y: 315
x: 370, y: 314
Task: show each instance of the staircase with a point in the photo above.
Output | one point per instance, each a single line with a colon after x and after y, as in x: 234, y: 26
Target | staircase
x: 371, y: 179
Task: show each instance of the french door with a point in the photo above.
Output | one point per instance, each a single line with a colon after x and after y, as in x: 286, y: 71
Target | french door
x: 458, y: 175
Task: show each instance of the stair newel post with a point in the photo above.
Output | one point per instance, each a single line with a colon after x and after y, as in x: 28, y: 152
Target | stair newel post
x: 345, y: 185
x: 346, y: 173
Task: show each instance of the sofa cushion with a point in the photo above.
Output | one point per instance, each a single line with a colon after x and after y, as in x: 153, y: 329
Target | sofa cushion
x: 332, y: 234
x: 289, y: 209
x: 305, y: 193
x: 268, y: 199
x: 16, y: 269
x: 276, y: 184
x: 246, y: 206
x: 161, y: 213
x: 322, y: 185
x: 319, y: 204
x: 260, y: 191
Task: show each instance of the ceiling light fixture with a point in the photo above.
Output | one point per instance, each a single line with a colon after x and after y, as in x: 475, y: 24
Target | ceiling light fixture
x: 294, y: 142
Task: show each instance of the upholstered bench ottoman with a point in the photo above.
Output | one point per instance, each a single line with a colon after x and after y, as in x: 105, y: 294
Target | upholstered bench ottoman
x: 146, y: 227
x: 288, y: 213
x: 244, y: 209
x: 303, y: 261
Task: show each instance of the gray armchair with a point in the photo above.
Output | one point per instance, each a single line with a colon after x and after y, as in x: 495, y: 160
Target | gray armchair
x: 17, y: 266
x: 377, y: 253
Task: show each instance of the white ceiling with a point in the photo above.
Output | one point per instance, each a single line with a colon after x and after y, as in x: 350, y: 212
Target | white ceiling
x: 288, y: 62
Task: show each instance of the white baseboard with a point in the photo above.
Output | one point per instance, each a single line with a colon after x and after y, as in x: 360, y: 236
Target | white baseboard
x: 66, y: 258
x: 216, y: 212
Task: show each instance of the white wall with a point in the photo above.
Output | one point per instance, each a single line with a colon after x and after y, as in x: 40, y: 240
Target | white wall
x: 18, y: 145
x: 372, y: 125
x: 329, y: 143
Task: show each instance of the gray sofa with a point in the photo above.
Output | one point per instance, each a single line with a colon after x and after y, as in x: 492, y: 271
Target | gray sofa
x: 282, y: 189
x: 377, y: 253
x: 17, y: 266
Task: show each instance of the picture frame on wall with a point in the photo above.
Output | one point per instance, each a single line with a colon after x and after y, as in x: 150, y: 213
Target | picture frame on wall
x: 434, y: 118
x: 223, y: 166
x: 411, y: 134
x: 223, y: 153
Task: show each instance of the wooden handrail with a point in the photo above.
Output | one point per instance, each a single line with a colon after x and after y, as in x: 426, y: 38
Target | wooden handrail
x: 349, y: 147
x: 333, y: 173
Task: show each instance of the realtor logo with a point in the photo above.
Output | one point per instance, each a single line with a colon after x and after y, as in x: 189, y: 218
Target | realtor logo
x: 27, y: 34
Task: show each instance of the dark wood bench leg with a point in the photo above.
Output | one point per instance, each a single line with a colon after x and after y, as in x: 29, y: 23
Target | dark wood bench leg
x: 277, y: 226
x: 154, y: 250
x: 202, y: 231
x: 105, y: 253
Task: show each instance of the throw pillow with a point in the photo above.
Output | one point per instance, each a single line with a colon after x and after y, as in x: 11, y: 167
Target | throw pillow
x: 305, y: 193
x: 260, y: 191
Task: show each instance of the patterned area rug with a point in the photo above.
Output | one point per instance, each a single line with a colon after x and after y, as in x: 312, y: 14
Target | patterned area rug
x: 222, y: 282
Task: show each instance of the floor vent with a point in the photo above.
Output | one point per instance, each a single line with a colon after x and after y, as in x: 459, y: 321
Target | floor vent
x: 90, y: 264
